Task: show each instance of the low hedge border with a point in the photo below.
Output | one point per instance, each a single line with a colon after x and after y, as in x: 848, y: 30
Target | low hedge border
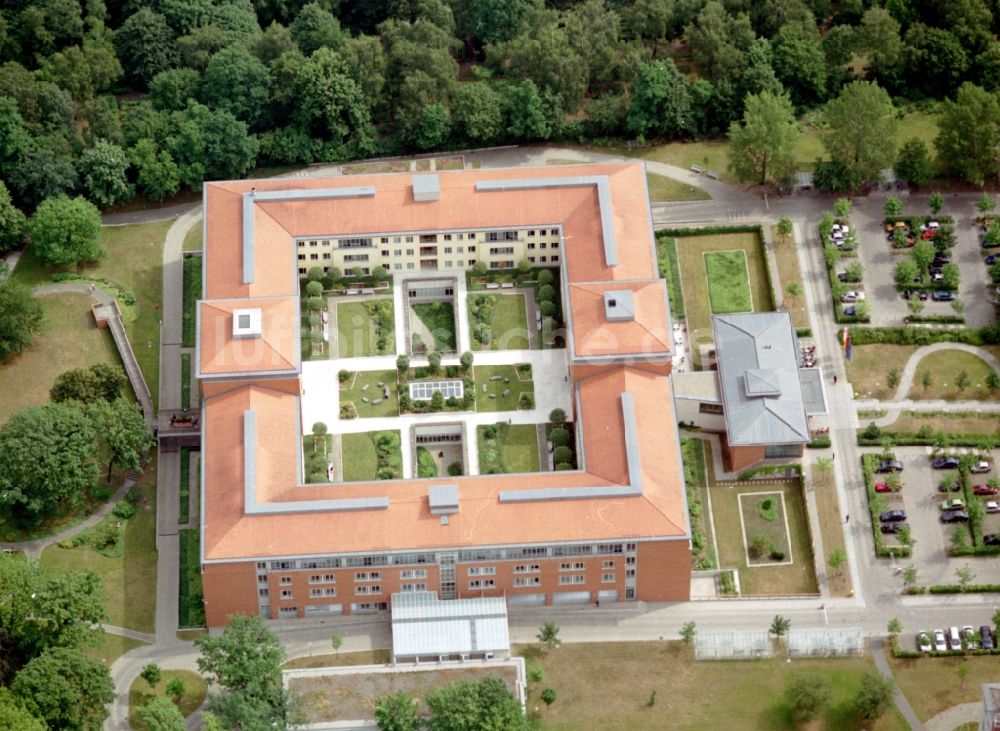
x: 940, y: 319
x: 918, y: 439
x: 821, y: 442
x: 779, y: 470
x: 881, y: 550
x: 974, y: 551
x: 803, y: 332
x: 967, y: 589
x: 924, y: 335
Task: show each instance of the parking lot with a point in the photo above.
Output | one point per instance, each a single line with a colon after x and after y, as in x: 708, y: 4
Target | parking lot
x: 887, y: 307
x: 921, y: 501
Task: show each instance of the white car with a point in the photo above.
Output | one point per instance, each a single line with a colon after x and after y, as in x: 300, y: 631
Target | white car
x: 933, y: 226
x: 841, y: 227
x: 940, y: 645
x: 982, y: 465
x: 954, y: 638
x: 924, y: 641
x: 971, y: 637
x: 852, y: 296
x: 992, y: 506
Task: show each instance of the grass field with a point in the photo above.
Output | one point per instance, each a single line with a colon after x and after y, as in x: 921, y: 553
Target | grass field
x: 508, y: 326
x: 944, y: 367
x: 513, y: 449
x: 185, y: 380
x: 691, y: 253
x: 70, y: 340
x: 492, y: 399
x: 960, y: 423
x: 190, y: 598
x: 355, y: 390
x: 787, y: 260
x: 728, y: 281
x: 662, y: 188
x: 360, y: 456
x: 184, y: 493
x: 192, y: 293
x: 439, y: 319
x: 670, y: 270
x: 607, y: 686
x: 111, y: 647
x: 140, y: 693
x: 797, y: 578
x: 193, y: 239
x: 933, y: 685
x: 129, y: 579
x: 869, y: 366
x: 367, y: 657
x: 831, y: 528
x: 773, y: 527
x: 357, y: 334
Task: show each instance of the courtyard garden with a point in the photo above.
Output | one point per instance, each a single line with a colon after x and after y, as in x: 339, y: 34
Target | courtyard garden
x: 498, y: 321
x: 372, y: 456
x: 316, y: 448
x: 433, y: 328
x: 365, y: 328
x: 765, y: 531
x: 507, y: 448
x: 696, y: 485
x: 365, y: 394
x: 504, y: 387
x: 728, y: 281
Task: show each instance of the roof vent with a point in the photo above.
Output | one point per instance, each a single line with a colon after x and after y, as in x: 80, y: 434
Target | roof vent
x: 619, y: 305
x: 246, y: 323
x: 443, y: 499
x: 426, y: 188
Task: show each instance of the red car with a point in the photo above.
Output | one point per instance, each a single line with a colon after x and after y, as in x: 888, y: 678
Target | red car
x: 984, y: 490
x: 928, y: 234
x: 882, y: 487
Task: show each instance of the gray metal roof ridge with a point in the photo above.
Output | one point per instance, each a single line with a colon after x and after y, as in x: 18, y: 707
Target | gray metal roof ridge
x: 633, y: 489
x: 569, y: 181
x: 252, y: 196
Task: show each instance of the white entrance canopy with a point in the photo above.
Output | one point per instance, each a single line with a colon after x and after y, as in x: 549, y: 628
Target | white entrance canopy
x: 425, y: 627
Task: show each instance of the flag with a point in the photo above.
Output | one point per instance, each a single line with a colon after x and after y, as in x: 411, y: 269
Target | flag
x: 847, y: 343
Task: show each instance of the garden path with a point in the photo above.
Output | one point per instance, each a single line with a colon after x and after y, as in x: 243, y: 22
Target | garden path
x: 906, y: 378
x: 955, y: 716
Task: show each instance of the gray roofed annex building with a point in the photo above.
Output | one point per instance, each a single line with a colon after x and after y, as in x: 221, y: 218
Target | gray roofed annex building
x: 762, y: 394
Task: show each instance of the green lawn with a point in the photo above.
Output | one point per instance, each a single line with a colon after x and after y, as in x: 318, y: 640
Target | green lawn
x: 70, y: 340
x: 140, y: 693
x: 504, y: 448
x: 493, y: 399
x: 773, y: 526
x: 787, y: 260
x: 364, y: 385
x: 728, y: 281
x: 185, y: 380
x: 190, y: 597
x: 426, y: 465
x: 869, y: 367
x: 110, y: 648
x: 129, y: 579
x: 691, y: 253
x: 439, y: 319
x: 361, y: 457
x: 607, y: 686
x: 662, y: 188
x: 184, y: 494
x: 359, y: 333
x: 193, y: 239
x: 944, y: 367
x: 670, y: 270
x: 501, y: 318
x: 831, y: 527
x: 933, y: 685
x: 192, y: 293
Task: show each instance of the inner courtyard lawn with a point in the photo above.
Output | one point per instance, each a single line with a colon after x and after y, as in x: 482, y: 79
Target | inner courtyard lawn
x: 70, y: 340
x: 728, y: 281
x: 944, y: 367
x: 439, y: 320
x: 359, y: 334
x: 364, y: 385
x: 502, y: 318
x: 608, y: 686
x: 360, y: 455
x: 504, y: 448
x: 670, y: 270
x: 772, y: 526
x: 493, y: 381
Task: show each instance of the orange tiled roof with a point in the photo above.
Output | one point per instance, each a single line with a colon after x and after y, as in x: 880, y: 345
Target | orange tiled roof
x: 593, y: 335
x: 276, y: 350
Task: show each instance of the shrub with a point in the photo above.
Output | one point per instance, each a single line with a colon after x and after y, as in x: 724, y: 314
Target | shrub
x: 314, y: 274
x: 547, y: 308
x: 314, y: 289
x: 559, y: 437
x: 562, y: 454
x: 344, y: 376
x: 557, y: 416
x: 455, y: 469
x: 546, y: 293
x: 545, y: 276
x: 760, y: 545
x: 768, y: 508
x: 124, y: 510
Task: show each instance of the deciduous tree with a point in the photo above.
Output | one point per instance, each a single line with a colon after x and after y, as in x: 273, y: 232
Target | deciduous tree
x: 467, y: 705
x: 874, y: 696
x: 145, y: 45
x: 102, y: 170
x: 65, y: 231
x: 862, y: 134
x: 66, y: 689
x: 808, y: 695
x: 969, y: 134
x: 661, y: 104
x: 914, y: 164
x: 397, y: 712
x: 160, y: 714
x: 761, y: 149
x: 123, y: 433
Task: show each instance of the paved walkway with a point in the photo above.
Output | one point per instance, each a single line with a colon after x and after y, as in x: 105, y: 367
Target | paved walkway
x: 882, y: 664
x: 955, y: 716
x: 910, y: 370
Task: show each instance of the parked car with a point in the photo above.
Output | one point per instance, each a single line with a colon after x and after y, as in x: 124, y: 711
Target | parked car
x: 980, y: 467
x: 954, y: 638
x: 991, y: 539
x: 954, y: 516
x: 928, y: 233
x: 945, y: 463
x: 924, y: 643
x: 991, y: 260
x: 883, y: 487
x: 949, y: 485
x: 891, y: 528
x: 955, y: 503
x: 940, y: 644
x: 985, y: 637
x: 892, y: 516
x: 850, y: 310
x: 992, y: 506
x: 970, y: 637
x: 930, y: 226
x: 941, y: 295
x: 889, y: 465
x: 852, y: 296
x: 919, y: 294
x: 984, y: 490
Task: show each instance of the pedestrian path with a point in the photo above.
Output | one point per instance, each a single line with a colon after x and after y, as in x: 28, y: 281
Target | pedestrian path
x: 910, y: 370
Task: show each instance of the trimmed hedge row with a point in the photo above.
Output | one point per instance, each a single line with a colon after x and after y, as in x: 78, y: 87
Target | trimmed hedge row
x: 924, y: 336
x: 967, y: 589
x: 820, y: 442
x: 941, y: 319
x: 868, y: 462
x: 922, y: 439
x: 779, y: 470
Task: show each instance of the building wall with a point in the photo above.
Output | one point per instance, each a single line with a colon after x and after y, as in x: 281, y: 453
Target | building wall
x: 229, y: 589
x: 409, y: 252
x: 689, y: 411
x: 664, y: 571
x: 740, y: 458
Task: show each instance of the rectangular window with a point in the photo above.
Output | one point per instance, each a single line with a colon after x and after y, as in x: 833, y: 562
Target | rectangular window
x: 413, y: 587
x: 447, y: 237
x: 447, y: 265
x: 483, y: 571
x: 461, y: 249
x: 555, y: 259
x: 704, y: 408
x: 553, y: 232
x: 607, y: 578
x: 385, y: 252
x: 531, y: 233
x: 396, y: 239
x: 472, y: 236
x: 314, y: 257
x: 531, y: 246
x: 576, y: 579
x: 302, y: 270
x: 409, y: 252
x: 447, y: 250
x: 543, y: 259
x: 472, y: 249
x: 472, y: 263
x: 314, y: 243
x: 384, y: 240
x: 263, y: 593
x: 409, y: 265
x: 531, y: 259
x: 543, y: 245
x: 572, y: 566
x: 323, y: 579
x: 326, y: 255
x: 482, y: 584
x: 321, y: 593
x: 368, y: 576
x: 397, y: 265
x: 629, y: 573
x: 413, y: 574
x: 607, y: 564
x: 409, y: 239
x: 527, y: 581
x: 286, y: 594
x: 527, y: 568
x: 555, y: 244
x: 285, y: 581
x: 397, y: 252
x: 367, y: 589
x: 501, y: 250
x: 302, y: 257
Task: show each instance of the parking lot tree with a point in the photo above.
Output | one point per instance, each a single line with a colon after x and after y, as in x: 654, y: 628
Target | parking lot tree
x: 761, y: 148
x: 874, y: 696
x: 958, y: 307
x: 548, y: 634
x: 780, y: 625
x: 945, y: 238
x: 65, y: 231
x: 909, y: 576
x: 836, y: 560
x: 950, y: 276
x: 162, y: 714
x: 906, y: 535
x: 985, y: 204
x: 914, y: 164
x: 397, y: 712
x: 926, y: 380
x: 965, y: 575
x: 915, y: 306
x: 793, y: 291
x: 808, y: 695
x: 862, y: 309
x: 935, y: 202
x: 862, y: 131
x: 854, y: 271
x: 893, y: 207
x: 841, y: 208
x: 65, y: 689
x: 688, y: 632
x: 968, y: 134
x: 922, y: 255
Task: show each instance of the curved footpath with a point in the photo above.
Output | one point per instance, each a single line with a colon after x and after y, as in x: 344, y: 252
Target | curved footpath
x: 910, y: 370
x: 955, y: 716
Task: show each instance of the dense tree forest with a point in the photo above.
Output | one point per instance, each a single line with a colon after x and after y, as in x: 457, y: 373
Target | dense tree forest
x: 103, y: 99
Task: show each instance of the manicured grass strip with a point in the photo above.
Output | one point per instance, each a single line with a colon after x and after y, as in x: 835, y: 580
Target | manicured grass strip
x: 662, y: 188
x: 787, y: 259
x: 110, y: 648
x: 498, y: 322
x: 504, y: 448
x: 191, y: 598
x: 831, y: 527
x: 193, y: 239
x: 426, y: 465
x: 192, y: 293
x: 184, y: 494
x: 140, y: 693
x: 363, y: 461
x: 185, y: 380
x: 358, y: 331
x: 666, y: 255
x: 728, y: 281
x: 439, y: 319
x: 944, y: 367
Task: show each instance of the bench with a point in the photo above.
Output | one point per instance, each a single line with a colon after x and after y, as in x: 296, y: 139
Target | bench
x: 492, y: 286
x: 507, y: 285
x: 697, y: 169
x: 712, y: 174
